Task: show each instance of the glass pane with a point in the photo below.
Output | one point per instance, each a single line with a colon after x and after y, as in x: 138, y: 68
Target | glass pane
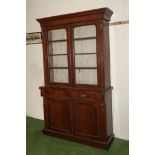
x: 58, y: 34
x: 57, y: 48
x: 85, y: 60
x: 85, y: 31
x: 86, y: 76
x: 85, y: 54
x: 85, y: 46
x: 59, y: 75
x: 58, y: 61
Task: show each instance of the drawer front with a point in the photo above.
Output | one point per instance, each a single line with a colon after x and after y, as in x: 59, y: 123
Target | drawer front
x: 85, y: 94
x: 57, y: 92
x: 73, y: 93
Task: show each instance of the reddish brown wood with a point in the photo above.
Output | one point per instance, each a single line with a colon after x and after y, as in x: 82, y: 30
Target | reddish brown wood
x: 46, y: 113
x: 106, y: 54
x: 79, y: 139
x: 70, y: 53
x: 86, y: 38
x: 60, y: 114
x: 85, y: 118
x: 85, y: 94
x: 79, y: 112
x: 96, y: 14
x: 45, y: 62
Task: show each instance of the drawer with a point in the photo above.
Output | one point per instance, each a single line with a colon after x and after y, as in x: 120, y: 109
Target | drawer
x: 56, y: 92
x: 86, y: 94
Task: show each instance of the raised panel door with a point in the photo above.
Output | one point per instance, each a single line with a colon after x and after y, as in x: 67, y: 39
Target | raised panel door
x: 59, y: 114
x: 85, y: 117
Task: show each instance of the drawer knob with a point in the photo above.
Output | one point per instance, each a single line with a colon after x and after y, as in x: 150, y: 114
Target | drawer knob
x: 102, y: 104
x: 83, y: 95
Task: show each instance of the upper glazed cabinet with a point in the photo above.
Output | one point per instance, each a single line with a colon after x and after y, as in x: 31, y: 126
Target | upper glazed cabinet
x: 77, y: 76
x: 72, y: 58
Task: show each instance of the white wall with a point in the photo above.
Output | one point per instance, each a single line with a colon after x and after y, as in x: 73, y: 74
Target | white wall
x: 119, y: 55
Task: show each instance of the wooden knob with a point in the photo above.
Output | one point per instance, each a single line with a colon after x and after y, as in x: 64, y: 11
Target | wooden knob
x: 102, y: 104
x: 83, y: 95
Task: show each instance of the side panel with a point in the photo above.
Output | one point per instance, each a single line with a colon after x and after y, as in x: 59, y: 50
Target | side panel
x: 106, y: 55
x: 108, y: 101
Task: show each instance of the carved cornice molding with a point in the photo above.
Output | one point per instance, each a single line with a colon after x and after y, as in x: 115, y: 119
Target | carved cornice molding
x: 35, y: 37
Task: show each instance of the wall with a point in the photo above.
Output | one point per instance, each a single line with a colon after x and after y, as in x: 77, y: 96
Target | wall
x: 118, y: 47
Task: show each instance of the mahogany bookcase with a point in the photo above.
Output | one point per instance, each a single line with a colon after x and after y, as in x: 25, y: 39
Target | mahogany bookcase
x: 77, y: 91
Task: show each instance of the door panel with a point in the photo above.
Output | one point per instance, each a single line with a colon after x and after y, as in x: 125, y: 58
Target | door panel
x: 86, y: 76
x: 85, y: 118
x: 58, y: 56
x: 85, y: 54
x: 59, y: 75
x: 60, y: 114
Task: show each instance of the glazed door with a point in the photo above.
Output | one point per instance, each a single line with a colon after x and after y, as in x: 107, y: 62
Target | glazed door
x: 58, y: 56
x: 59, y: 114
x: 85, y: 54
x: 85, y: 117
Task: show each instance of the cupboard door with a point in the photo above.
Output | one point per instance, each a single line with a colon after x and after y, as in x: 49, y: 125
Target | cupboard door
x: 59, y: 114
x: 58, y: 56
x: 85, y: 116
x: 85, y: 55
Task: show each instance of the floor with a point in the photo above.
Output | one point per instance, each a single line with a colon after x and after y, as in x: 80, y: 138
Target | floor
x: 39, y: 144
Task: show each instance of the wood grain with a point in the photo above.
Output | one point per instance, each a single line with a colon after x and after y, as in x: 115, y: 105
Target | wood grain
x: 79, y: 112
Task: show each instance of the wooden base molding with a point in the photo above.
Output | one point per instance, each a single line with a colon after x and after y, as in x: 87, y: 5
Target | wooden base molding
x: 86, y: 141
